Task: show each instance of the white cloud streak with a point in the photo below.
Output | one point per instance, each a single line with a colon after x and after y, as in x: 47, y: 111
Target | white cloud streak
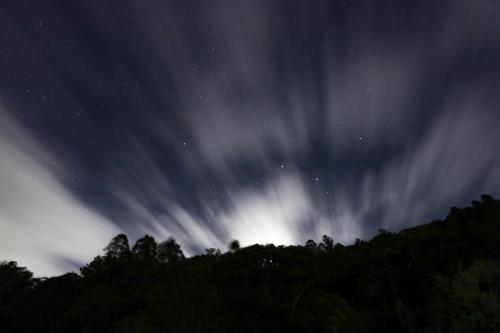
x: 233, y: 113
x: 42, y: 224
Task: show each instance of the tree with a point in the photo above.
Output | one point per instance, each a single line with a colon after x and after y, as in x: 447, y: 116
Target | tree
x: 145, y: 248
x: 169, y: 251
x: 14, y: 280
x: 118, y: 247
x: 468, y: 302
x: 234, y: 246
x: 311, y: 245
x: 440, y: 277
x: 327, y: 243
x: 487, y: 199
x: 213, y: 252
x: 15, y: 283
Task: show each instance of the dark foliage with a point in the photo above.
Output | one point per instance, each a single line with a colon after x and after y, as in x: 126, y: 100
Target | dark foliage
x: 439, y: 277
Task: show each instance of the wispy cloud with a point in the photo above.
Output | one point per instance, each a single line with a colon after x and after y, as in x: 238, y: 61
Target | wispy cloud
x: 43, y: 225
x: 261, y: 121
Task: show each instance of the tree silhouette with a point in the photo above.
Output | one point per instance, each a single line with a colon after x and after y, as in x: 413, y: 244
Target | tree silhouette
x: 487, y: 199
x: 234, y: 246
x: 15, y: 284
x: 145, y: 248
x: 327, y: 243
x: 118, y: 246
x: 213, y: 252
x: 311, y: 245
x: 439, y: 277
x: 169, y: 251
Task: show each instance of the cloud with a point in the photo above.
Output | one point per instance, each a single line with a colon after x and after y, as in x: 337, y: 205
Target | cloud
x: 457, y: 157
x: 454, y: 161
x: 229, y: 112
x: 273, y: 214
x: 42, y: 223
x: 256, y: 102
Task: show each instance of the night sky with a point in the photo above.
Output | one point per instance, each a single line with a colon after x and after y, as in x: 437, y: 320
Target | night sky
x: 262, y: 121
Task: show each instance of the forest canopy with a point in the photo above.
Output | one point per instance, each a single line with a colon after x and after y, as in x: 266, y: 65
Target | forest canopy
x: 440, y: 277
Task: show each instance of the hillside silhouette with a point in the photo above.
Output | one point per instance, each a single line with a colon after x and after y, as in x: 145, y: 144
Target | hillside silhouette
x: 440, y: 277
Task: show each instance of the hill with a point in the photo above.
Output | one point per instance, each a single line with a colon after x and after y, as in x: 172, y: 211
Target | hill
x: 440, y: 277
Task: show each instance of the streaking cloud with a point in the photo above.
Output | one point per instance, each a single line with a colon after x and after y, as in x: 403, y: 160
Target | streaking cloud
x: 262, y: 121
x: 43, y: 225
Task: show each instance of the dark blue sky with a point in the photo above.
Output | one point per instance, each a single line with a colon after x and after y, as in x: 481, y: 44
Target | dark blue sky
x: 264, y: 121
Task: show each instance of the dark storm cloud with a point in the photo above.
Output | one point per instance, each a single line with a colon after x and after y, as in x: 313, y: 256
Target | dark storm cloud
x: 261, y: 121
